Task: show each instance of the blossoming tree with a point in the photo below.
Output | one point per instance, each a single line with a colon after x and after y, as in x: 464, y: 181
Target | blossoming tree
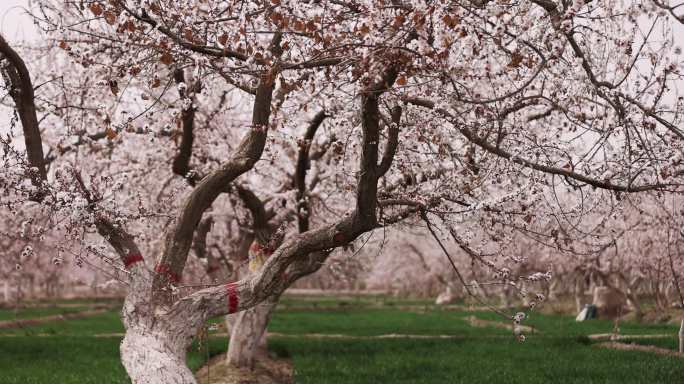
x: 469, y: 117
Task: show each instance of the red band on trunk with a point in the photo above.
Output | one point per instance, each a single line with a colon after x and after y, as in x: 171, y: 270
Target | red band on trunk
x: 131, y: 259
x: 256, y: 247
x: 212, y: 269
x: 165, y: 270
x: 233, y: 300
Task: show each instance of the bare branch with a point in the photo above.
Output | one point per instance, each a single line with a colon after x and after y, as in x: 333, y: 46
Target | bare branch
x: 482, y: 143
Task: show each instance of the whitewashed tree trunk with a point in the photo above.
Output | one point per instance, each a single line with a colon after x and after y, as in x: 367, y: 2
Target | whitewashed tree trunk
x: 32, y: 286
x: 155, y: 357
x: 248, y: 336
x: 153, y: 350
x: 555, y: 287
x: 579, y: 292
x: 525, y: 299
x: 506, y: 295
x: 681, y: 336
x: 6, y: 291
x: 635, y: 303
x: 632, y: 292
x: 659, y: 296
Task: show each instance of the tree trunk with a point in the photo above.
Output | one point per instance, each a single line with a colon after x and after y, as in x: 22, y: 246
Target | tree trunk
x: 6, y: 292
x: 555, y: 287
x: 633, y: 297
x: 506, y: 295
x: 579, y: 292
x: 32, y: 287
x: 153, y: 350
x: 633, y: 300
x: 155, y: 357
x: 248, y: 336
x: 658, y: 294
x: 681, y: 336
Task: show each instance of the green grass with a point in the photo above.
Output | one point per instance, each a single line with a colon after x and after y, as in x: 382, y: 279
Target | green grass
x: 76, y: 359
x: 348, y: 302
x: 667, y: 343
x: 559, y: 325
x: 60, y: 359
x: 365, y: 322
x: 67, y: 353
x: 541, y: 360
x: 33, y: 312
x: 108, y: 322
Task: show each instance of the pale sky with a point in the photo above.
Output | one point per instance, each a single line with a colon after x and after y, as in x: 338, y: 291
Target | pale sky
x: 14, y: 23
x: 15, y: 26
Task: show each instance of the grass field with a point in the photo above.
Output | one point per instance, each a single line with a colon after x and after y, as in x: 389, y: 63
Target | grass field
x: 559, y: 352
x: 28, y: 313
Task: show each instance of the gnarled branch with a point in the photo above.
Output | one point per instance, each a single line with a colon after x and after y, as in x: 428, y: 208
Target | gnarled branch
x: 274, y: 277
x: 179, y: 236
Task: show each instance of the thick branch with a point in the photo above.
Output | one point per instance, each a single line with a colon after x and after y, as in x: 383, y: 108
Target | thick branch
x: 122, y: 242
x: 256, y: 207
x: 21, y: 90
x: 392, y: 142
x: 200, y: 242
x: 367, y: 190
x: 202, y: 250
x: 303, y: 164
x: 181, y: 163
x: 248, y: 152
x: 273, y: 277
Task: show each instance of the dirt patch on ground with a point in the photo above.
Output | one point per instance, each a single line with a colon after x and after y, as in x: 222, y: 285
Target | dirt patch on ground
x: 266, y: 371
x: 48, y: 319
x: 347, y: 337
x: 638, y: 347
x: 371, y: 337
x: 114, y: 334
x: 475, y: 322
x: 612, y: 336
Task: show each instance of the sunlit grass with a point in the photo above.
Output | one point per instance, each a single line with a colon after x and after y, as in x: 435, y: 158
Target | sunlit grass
x: 559, y: 352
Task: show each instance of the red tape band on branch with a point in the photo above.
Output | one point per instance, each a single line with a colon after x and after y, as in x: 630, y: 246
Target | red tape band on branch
x: 212, y: 269
x: 163, y: 269
x: 256, y: 247
x: 131, y: 259
x: 233, y: 300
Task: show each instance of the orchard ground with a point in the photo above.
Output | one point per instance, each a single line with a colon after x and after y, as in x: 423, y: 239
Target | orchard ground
x: 359, y: 340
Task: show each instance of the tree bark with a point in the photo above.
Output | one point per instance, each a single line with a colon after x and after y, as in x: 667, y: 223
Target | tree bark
x: 153, y: 350
x: 248, y: 336
x: 681, y: 336
x: 6, y: 292
x: 155, y: 357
